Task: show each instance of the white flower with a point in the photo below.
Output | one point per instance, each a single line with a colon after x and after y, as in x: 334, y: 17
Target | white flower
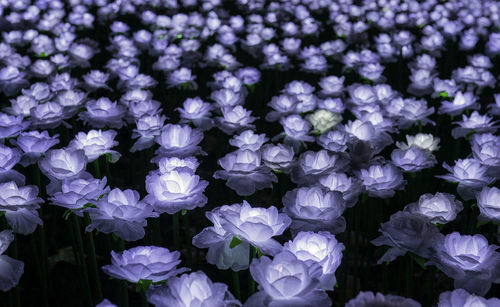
x: 323, y: 120
x: 421, y: 140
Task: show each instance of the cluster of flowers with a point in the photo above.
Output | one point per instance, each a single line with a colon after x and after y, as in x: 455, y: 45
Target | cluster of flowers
x: 48, y: 72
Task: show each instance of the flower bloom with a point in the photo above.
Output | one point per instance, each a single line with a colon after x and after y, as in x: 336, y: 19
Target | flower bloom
x: 439, y: 208
x: 179, y: 140
x: 315, y: 208
x: 34, y: 144
x: 462, y: 298
x: 321, y: 248
x: 11, y: 269
x: 194, y: 289
x: 121, y: 213
x: 176, y: 190
x: 382, y: 180
x: 96, y: 143
x: 75, y: 193
x: 287, y: 281
x: 421, y: 140
x: 254, y: 225
x: 368, y: 298
x: 469, y: 260
x: 488, y: 201
x: 144, y: 262
x: 244, y: 173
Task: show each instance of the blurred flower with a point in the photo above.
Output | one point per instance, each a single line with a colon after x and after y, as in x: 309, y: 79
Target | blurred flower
x: 11, y: 125
x: 194, y: 289
x: 286, y: 281
x: 368, y: 298
x: 144, y: 263
x: 462, y: 298
x: 488, y: 201
x: 11, y: 269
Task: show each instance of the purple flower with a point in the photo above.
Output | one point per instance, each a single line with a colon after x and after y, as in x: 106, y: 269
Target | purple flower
x: 178, y: 140
x: 244, y: 173
x: 11, y: 125
x: 335, y: 141
x: 296, y: 130
x: 471, y: 176
x: 350, y: 187
x: 105, y: 303
x: 103, y: 112
x: 11, y: 269
x: 488, y: 201
x: 176, y: 190
x: 407, y: 232
x: 474, y: 123
x: 381, y: 180
x: 286, y: 281
x: 76, y: 193
x: 235, y: 119
x: 20, y: 205
x: 312, y: 165
x: 96, y: 143
x: 321, y: 248
x: 148, y: 127
x: 424, y: 141
x: 248, y: 140
x: 368, y: 298
x: 314, y: 209
x: 439, y: 208
x: 63, y: 163
x: 462, y: 298
x: 122, y: 213
x: 278, y: 157
x: 254, y: 225
x: 196, y: 111
x: 182, y: 77
x: 194, y: 289
x: 144, y: 263
x: 469, y: 260
x: 413, y: 159
x: 218, y: 241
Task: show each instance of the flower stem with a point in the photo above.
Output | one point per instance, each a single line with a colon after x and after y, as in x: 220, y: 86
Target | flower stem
x: 97, y: 169
x: 93, y: 260
x: 187, y: 233
x: 236, y: 283
x: 83, y: 265
x: 251, y: 282
x: 176, y: 235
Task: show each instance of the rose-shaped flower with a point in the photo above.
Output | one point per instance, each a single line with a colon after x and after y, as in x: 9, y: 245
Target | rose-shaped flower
x: 194, y: 289
x: 461, y: 101
x: 218, y: 241
x: 314, y: 209
x: 105, y: 303
x: 278, y: 157
x: 335, y: 141
x: 254, y: 225
x: 439, y: 208
x: 96, y: 143
x: 472, y: 124
x: 312, y: 165
x: 63, y: 163
x: 488, y: 201
x: 196, y: 111
x: 248, y: 140
x: 469, y: 260
x: 364, y: 299
x: 296, y: 131
x: 471, y: 176
x: 11, y: 125
x: 462, y: 298
x: 179, y: 140
x: 122, y: 213
x: 323, y: 120
x: 8, y: 158
x: 407, y: 232
x: 20, y: 205
x: 11, y: 269
x: 321, y: 248
x: 103, y: 112
x: 148, y: 128
x: 243, y: 171
x: 421, y: 140
x: 175, y: 190
x: 286, y: 281
x: 382, y: 180
x: 235, y: 119
x: 144, y: 262
x: 34, y: 144
x: 413, y: 159
x: 76, y: 193
x: 350, y: 187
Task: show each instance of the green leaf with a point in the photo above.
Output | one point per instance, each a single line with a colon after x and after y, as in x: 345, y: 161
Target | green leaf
x: 184, y: 212
x: 143, y: 285
x: 109, y: 157
x: 481, y: 223
x: 443, y: 94
x: 179, y: 36
x: 419, y: 260
x: 259, y: 252
x: 235, y: 242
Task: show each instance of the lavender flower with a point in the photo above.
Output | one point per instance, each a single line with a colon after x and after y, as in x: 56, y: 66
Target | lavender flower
x: 462, y: 298
x: 440, y: 208
x: 96, y: 143
x: 368, y: 298
x: 12, y: 269
x: 382, y: 180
